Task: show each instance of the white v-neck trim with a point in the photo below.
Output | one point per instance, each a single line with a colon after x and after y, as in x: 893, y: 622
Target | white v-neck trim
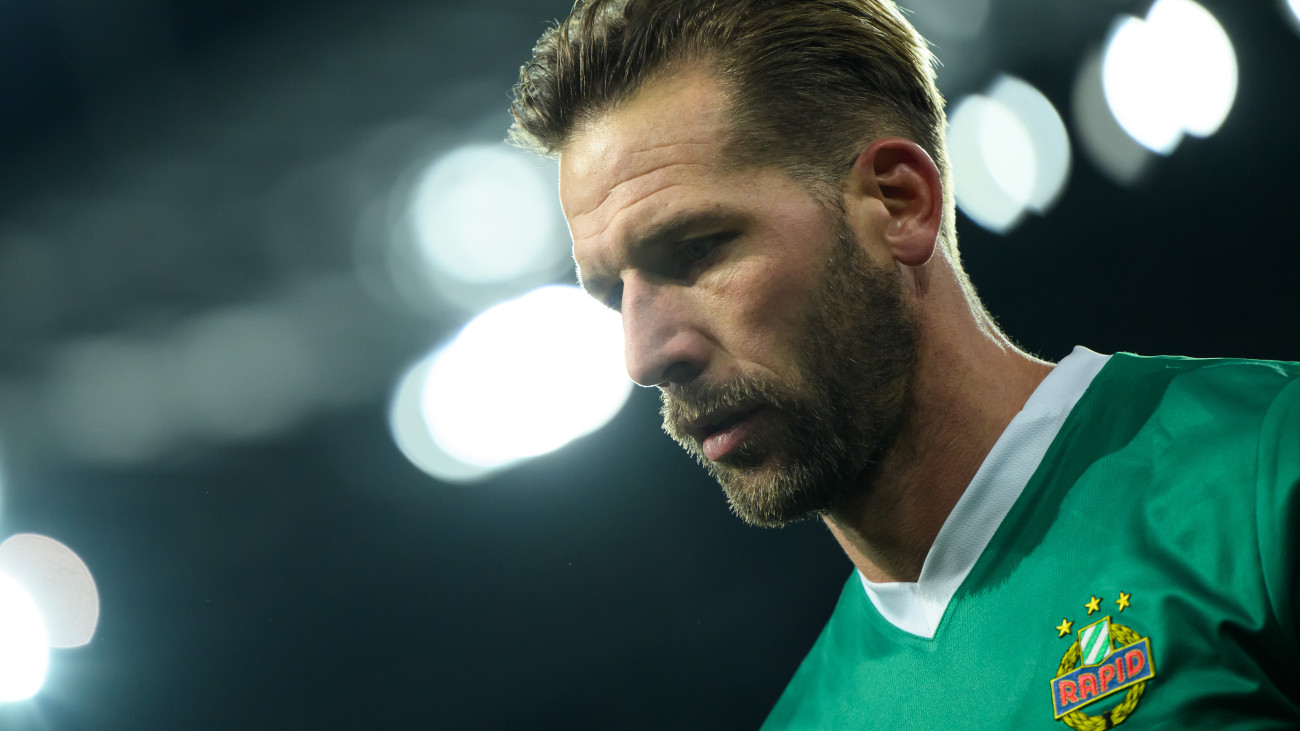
x: 916, y: 607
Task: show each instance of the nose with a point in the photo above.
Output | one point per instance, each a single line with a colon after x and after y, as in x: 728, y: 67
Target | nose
x: 662, y: 341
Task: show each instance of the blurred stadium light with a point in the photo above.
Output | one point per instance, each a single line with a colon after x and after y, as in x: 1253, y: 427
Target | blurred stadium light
x: 230, y: 374
x: 114, y: 398
x: 1291, y: 9
x: 1010, y: 154
x: 24, y: 652
x: 411, y: 433
x: 1109, y: 147
x: 993, y: 162
x: 1046, y: 132
x: 477, y: 225
x: 1173, y: 73
x: 59, y: 584
x: 524, y: 378
x: 249, y: 372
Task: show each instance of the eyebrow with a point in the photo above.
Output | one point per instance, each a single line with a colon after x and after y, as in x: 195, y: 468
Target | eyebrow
x: 680, y: 226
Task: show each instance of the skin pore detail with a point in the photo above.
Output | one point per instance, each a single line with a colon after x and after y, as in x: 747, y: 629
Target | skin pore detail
x: 819, y: 360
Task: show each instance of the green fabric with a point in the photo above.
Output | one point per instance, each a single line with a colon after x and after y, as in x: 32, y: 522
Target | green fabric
x: 1174, y: 480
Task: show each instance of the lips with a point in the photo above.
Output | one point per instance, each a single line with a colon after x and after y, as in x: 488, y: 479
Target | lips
x: 721, y: 433
x: 705, y: 426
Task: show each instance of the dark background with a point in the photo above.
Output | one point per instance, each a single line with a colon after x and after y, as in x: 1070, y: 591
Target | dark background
x: 163, y: 160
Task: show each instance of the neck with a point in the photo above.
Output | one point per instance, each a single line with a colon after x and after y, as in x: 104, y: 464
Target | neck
x: 969, y: 384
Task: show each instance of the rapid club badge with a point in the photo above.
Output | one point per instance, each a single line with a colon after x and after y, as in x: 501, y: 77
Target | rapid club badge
x: 1107, y: 658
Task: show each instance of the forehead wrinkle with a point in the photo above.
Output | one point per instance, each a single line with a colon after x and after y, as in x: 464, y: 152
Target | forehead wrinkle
x: 627, y: 243
x: 624, y: 165
x: 610, y: 255
x: 630, y: 201
x: 655, y: 148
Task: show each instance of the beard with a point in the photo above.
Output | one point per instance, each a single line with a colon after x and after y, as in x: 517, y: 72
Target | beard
x: 836, y: 416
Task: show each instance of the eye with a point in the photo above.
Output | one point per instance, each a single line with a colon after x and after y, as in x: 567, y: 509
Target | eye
x: 694, y: 251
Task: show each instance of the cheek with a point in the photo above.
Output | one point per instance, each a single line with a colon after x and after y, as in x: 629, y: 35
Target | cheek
x: 785, y: 280
x: 765, y: 298
x: 765, y: 312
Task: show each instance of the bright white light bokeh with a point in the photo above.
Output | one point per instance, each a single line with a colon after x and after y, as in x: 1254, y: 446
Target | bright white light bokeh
x: 1206, y: 83
x: 1292, y: 9
x: 1109, y: 147
x: 1047, y: 134
x: 411, y: 433
x: 24, y: 652
x: 484, y: 213
x: 1010, y: 154
x: 1172, y: 74
x: 526, y: 377
x: 58, y: 582
x: 993, y: 199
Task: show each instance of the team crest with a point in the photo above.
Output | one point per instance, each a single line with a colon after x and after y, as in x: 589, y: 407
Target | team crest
x: 1107, y: 658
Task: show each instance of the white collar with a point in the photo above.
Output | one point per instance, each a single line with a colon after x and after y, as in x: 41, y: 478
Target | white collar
x: 916, y: 607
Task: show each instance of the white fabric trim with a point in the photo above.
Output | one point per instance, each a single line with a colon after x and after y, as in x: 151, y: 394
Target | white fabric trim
x: 916, y: 607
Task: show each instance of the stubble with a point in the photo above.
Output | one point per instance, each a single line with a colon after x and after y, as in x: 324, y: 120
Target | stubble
x: 828, y: 423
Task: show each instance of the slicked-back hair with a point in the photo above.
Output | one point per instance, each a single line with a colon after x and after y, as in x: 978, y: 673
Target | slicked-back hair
x: 809, y: 83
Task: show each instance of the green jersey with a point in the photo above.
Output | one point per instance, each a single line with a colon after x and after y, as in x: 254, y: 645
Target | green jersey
x: 1143, y: 571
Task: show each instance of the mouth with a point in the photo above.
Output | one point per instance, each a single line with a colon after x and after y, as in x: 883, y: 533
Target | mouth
x: 719, y: 434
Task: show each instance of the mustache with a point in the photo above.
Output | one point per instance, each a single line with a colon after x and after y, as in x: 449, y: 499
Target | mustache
x: 683, y: 404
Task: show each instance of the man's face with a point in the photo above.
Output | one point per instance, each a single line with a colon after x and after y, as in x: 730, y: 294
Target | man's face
x: 780, y: 341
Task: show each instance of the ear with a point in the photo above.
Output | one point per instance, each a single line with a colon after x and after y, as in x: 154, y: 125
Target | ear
x: 904, y: 186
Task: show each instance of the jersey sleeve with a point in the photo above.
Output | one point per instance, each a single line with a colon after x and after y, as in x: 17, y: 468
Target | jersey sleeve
x: 1278, y: 507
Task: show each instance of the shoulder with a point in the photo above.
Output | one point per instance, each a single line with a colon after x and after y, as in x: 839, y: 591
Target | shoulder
x: 1200, y: 408
x: 1233, y: 372
x: 1192, y: 395
x: 1219, y: 435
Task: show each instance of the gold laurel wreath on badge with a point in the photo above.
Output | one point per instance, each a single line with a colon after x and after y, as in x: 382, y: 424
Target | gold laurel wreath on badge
x: 1081, y: 721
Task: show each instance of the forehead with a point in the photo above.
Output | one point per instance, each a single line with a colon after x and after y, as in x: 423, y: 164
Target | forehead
x: 664, y: 143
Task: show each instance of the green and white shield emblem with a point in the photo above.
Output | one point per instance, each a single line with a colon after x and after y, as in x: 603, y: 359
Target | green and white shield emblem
x: 1094, y: 641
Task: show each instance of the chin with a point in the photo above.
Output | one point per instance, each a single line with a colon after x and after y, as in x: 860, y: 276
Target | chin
x: 771, y: 495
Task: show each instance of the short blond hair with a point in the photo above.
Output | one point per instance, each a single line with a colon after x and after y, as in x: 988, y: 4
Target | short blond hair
x: 810, y: 82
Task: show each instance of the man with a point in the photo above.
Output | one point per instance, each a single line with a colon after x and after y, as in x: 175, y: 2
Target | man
x: 761, y: 189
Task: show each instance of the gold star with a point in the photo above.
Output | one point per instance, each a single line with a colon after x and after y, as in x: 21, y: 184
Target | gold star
x: 1122, y: 601
x: 1093, y: 606
x: 1064, y: 627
